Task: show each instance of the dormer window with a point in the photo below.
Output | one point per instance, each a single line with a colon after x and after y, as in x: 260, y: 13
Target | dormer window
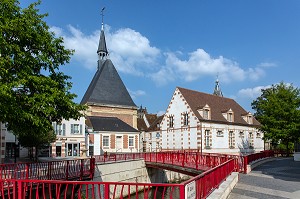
x: 228, y: 115
x: 248, y: 118
x: 205, y: 112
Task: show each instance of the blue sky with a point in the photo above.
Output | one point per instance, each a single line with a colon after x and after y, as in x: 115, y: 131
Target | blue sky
x: 159, y: 45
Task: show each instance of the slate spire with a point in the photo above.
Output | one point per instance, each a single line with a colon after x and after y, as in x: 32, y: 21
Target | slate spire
x: 102, y: 50
x: 107, y: 87
x: 217, y: 90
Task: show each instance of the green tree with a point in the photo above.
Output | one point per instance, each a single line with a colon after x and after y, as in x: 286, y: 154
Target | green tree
x: 277, y: 109
x: 33, y: 91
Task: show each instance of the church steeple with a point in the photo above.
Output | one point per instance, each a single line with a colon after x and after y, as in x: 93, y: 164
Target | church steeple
x: 102, y: 50
x: 217, y: 90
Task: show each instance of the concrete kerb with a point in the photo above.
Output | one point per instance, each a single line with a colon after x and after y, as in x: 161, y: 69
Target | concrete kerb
x: 225, y: 188
x: 256, y: 163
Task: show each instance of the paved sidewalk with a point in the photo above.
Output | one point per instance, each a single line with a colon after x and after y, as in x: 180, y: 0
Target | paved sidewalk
x: 277, y: 179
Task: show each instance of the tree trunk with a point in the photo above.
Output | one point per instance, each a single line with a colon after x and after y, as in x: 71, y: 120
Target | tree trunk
x: 287, y: 149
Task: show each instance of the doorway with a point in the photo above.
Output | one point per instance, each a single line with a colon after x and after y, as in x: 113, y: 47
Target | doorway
x: 119, y: 144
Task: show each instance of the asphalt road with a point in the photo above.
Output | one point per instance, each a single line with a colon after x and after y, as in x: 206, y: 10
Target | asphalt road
x: 277, y: 179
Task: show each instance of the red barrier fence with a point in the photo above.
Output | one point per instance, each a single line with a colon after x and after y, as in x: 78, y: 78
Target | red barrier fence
x: 195, y: 160
x: 203, y: 184
x: 208, y: 181
x: 221, y: 166
x: 53, y: 170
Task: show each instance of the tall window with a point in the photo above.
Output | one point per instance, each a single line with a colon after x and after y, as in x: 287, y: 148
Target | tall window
x: 251, y: 141
x: 185, y: 119
x: 76, y: 129
x: 206, y: 114
x: 230, y: 117
x: 207, y: 138
x: 242, y: 135
x: 60, y: 129
x: 105, y: 141
x: 171, y: 121
x: 131, y: 141
x: 231, y: 139
x: 249, y: 120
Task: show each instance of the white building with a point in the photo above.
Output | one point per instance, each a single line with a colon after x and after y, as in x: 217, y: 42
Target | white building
x: 70, y: 138
x: 209, y: 123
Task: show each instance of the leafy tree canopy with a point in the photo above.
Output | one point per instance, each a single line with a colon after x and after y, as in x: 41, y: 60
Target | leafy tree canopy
x: 33, y: 91
x: 277, y: 109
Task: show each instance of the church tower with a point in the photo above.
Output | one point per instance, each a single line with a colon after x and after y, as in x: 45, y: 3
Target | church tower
x: 107, y: 95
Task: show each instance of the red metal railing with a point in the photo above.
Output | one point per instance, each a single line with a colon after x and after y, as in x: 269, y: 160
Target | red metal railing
x: 54, y: 170
x: 204, y: 183
x: 114, y: 157
x: 220, y: 167
x: 256, y: 156
x: 208, y: 181
x: 195, y: 160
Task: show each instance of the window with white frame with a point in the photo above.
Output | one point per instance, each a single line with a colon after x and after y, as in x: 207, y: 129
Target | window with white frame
x: 206, y: 114
x: 230, y: 117
x: 251, y: 141
x: 185, y: 119
x: 249, y: 119
x: 242, y: 135
x: 171, y: 121
x: 131, y: 141
x: 258, y: 135
x: 76, y: 129
x: 59, y: 129
x: 105, y: 141
x: 207, y: 138
x: 220, y: 133
x: 231, y: 139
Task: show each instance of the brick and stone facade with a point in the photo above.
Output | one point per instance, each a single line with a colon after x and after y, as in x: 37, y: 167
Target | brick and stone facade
x: 208, y: 123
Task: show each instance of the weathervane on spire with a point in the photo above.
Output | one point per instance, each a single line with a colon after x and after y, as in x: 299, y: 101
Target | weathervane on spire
x: 102, y: 14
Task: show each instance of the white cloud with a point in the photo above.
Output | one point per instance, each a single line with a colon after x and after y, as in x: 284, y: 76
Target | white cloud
x: 159, y: 113
x: 267, y: 64
x: 200, y: 64
x: 252, y: 93
x: 137, y: 93
x: 130, y: 51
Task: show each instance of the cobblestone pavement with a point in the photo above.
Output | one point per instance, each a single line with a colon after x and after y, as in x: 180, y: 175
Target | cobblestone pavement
x: 276, y: 179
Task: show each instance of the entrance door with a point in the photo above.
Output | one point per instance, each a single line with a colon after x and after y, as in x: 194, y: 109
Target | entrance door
x: 58, y: 151
x: 119, y: 144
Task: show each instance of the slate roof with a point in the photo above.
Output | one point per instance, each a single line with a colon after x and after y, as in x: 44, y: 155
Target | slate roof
x: 102, y: 43
x: 108, y: 124
x: 107, y: 88
x: 218, y: 105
